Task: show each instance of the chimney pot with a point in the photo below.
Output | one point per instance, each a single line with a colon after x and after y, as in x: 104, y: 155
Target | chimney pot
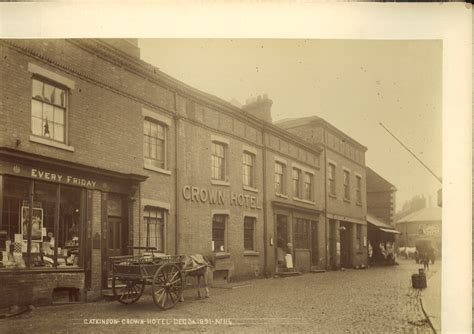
x: 260, y: 107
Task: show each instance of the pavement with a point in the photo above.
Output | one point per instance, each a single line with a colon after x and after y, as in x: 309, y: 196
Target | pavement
x: 374, y: 300
x: 431, y: 297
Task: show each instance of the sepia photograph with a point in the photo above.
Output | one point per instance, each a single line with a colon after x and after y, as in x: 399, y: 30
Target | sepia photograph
x: 234, y: 183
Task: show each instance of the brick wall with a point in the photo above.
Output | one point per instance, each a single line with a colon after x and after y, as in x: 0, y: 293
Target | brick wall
x: 30, y: 288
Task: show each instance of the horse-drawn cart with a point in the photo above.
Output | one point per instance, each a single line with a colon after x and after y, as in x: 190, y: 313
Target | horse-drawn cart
x: 165, y: 273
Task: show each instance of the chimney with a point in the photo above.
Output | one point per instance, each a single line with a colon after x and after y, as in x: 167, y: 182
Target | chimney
x: 260, y: 107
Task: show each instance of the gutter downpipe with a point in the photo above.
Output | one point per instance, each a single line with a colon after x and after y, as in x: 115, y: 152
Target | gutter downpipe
x: 176, y: 199
x: 326, y: 199
x: 264, y: 184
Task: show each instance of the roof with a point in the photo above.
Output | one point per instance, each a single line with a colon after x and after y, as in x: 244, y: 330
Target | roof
x: 288, y: 123
x: 378, y: 223
x: 376, y: 183
x: 425, y: 214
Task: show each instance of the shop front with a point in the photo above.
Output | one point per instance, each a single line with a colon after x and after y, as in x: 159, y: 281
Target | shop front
x: 297, y: 232
x: 382, y: 239
x: 59, y: 223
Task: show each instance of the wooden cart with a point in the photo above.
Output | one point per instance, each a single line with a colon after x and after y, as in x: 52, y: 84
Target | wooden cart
x: 165, y: 274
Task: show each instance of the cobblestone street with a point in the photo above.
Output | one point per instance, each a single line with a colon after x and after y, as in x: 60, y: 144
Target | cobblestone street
x: 377, y: 300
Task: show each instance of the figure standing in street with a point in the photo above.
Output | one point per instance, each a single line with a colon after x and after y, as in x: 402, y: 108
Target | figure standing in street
x: 425, y: 259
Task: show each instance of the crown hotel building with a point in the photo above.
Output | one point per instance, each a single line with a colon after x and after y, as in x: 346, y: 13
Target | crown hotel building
x: 100, y: 152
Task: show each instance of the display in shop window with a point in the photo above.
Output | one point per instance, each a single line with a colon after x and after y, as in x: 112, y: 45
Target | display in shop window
x: 36, y: 223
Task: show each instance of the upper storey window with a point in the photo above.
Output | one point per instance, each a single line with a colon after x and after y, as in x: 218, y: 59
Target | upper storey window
x: 218, y: 161
x: 48, y: 110
x: 154, y: 143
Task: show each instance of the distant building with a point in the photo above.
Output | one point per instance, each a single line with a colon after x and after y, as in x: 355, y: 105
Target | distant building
x: 421, y: 225
x: 381, y: 196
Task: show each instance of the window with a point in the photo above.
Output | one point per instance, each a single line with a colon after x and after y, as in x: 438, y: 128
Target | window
x: 249, y: 233
x: 359, y: 189
x: 56, y: 224
x: 308, y: 186
x: 296, y: 182
x: 48, y: 110
x: 248, y: 173
x: 154, y: 223
x: 359, y: 237
x: 279, y: 178
x: 301, y: 234
x: 154, y: 143
x: 218, y: 233
x: 332, y: 179
x: 347, y: 189
x: 218, y: 161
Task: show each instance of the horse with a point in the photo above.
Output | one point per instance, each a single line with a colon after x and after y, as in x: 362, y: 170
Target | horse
x: 198, y: 266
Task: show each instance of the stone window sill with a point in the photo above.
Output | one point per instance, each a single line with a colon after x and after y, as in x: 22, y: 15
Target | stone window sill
x: 255, y: 190
x: 220, y: 183
x: 149, y: 166
x: 52, y: 143
x: 281, y: 195
x: 332, y: 196
x: 251, y: 253
x: 303, y: 201
x: 359, y: 203
x: 347, y: 200
x: 222, y: 255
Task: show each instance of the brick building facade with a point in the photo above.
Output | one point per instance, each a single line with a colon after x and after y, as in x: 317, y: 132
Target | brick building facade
x: 345, y: 189
x: 104, y: 152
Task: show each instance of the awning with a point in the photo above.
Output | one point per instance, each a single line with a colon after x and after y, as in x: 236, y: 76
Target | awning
x: 389, y: 231
x: 384, y: 227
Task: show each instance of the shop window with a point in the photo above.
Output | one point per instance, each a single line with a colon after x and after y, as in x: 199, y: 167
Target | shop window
x: 248, y: 169
x: 301, y: 234
x: 279, y: 178
x: 48, y: 110
x: 347, y: 188
x: 218, y: 233
x: 154, y: 143
x: 359, y: 189
x: 55, y: 224
x: 332, y: 179
x: 249, y: 233
x: 218, y: 159
x: 296, y: 182
x: 308, y: 186
x: 155, y: 223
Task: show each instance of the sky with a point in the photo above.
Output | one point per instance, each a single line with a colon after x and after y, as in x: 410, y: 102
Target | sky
x: 352, y: 84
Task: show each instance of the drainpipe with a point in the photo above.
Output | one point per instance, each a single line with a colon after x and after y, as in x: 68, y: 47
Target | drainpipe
x: 264, y: 191
x: 325, y: 198
x: 176, y: 199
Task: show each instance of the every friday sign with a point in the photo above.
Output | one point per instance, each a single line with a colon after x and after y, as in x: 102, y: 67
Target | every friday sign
x: 219, y: 197
x: 50, y: 176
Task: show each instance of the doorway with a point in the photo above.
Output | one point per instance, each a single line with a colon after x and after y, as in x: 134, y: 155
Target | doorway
x: 345, y: 231
x: 117, y: 234
x: 282, y: 241
x: 314, y: 244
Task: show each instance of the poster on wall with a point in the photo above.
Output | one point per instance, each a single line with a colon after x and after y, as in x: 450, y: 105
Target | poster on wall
x: 37, y: 223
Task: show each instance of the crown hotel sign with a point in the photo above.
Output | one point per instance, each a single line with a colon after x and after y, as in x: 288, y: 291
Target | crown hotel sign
x: 219, y: 197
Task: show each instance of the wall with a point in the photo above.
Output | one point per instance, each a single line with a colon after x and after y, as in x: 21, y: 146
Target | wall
x: 35, y: 288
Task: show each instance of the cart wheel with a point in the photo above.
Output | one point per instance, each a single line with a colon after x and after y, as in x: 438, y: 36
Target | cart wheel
x: 127, y: 291
x: 167, y: 286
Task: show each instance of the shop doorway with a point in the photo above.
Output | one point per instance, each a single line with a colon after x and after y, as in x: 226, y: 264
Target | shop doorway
x: 117, y: 233
x: 332, y: 245
x: 282, y: 241
x: 345, y: 231
x: 314, y: 244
